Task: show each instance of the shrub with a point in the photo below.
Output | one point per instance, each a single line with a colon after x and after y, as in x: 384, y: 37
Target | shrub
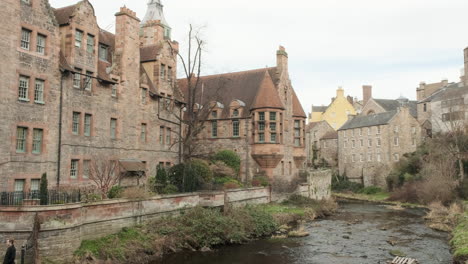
x: 231, y: 185
x: 115, y: 192
x: 43, y: 190
x: 160, y: 179
x: 135, y: 193
x: 170, y: 189
x: 190, y: 176
x: 261, y: 181
x: 370, y: 190
x: 221, y: 170
x: 230, y: 158
x: 342, y: 183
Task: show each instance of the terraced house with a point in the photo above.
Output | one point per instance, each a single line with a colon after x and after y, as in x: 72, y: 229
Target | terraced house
x: 72, y: 92
x: 257, y: 114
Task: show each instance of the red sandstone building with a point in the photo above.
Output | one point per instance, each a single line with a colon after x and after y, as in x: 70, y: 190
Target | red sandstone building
x: 72, y: 92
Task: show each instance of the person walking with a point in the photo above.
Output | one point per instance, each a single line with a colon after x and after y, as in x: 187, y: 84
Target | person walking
x: 11, y: 252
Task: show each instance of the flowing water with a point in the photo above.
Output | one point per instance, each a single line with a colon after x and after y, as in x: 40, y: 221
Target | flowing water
x: 359, y: 233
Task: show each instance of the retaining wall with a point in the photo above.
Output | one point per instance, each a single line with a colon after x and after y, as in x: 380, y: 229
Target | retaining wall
x: 318, y: 186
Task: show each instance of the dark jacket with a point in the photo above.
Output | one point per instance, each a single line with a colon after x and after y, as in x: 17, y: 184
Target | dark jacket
x: 10, y: 255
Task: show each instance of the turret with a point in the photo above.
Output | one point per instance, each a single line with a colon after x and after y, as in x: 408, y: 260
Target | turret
x: 154, y: 27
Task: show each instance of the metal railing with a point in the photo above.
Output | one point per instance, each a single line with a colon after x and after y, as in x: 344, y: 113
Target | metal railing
x: 36, y: 198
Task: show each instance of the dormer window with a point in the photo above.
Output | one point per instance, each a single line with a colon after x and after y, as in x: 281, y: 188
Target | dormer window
x: 103, y: 52
x: 235, y: 113
x: 214, y: 114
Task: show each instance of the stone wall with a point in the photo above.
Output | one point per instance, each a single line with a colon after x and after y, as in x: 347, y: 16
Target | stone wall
x: 64, y: 227
x: 318, y: 186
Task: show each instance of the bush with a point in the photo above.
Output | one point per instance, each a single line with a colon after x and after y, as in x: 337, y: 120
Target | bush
x: 343, y: 184
x: 221, y: 170
x: 170, y: 189
x: 231, y: 185
x: 115, y: 192
x: 190, y: 176
x: 230, y: 158
x: 135, y: 193
x: 160, y: 181
x: 260, y: 181
x: 370, y: 190
x: 43, y: 190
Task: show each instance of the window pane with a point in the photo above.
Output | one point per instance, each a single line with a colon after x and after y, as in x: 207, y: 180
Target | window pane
x: 113, y: 128
x: 77, y: 79
x: 143, y: 95
x: 39, y: 91
x: 41, y: 43
x: 21, y: 134
x: 273, y: 126
x: 78, y: 38
x: 261, y: 116
x: 87, y: 125
x: 103, y: 50
x: 90, y: 44
x: 143, y: 133
x: 261, y: 126
x: 37, y: 140
x: 273, y: 137
x: 261, y: 137
x: 214, y: 128
x: 162, y: 71
x: 25, y: 38
x: 88, y: 81
x: 23, y: 88
x: 35, y: 183
x: 74, y: 169
x: 235, y: 128
x: 272, y: 116
x: 76, y: 123
x: 168, y: 136
x: 161, y: 135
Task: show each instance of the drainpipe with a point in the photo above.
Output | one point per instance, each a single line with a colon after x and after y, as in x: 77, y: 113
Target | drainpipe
x: 180, y: 135
x: 59, y: 145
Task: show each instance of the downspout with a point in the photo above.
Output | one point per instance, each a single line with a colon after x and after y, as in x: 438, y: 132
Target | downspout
x: 59, y: 145
x: 180, y: 135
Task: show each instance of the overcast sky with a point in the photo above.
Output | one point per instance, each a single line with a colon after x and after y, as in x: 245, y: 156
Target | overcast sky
x: 392, y: 45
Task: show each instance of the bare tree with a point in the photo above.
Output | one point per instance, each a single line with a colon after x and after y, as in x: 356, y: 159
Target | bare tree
x: 198, y: 103
x: 104, y: 174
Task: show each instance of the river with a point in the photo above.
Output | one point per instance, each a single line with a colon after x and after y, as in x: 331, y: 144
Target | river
x: 359, y: 233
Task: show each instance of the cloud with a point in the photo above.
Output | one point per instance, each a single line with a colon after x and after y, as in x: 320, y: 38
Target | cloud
x: 391, y: 44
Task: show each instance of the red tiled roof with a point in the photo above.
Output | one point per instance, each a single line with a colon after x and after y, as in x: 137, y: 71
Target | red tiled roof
x: 225, y: 88
x: 63, y: 14
x: 267, y: 95
x: 297, y: 107
x: 149, y: 53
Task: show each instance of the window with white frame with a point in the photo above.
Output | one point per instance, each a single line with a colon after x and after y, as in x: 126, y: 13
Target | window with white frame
x: 261, y: 137
x: 35, y: 183
x: 361, y: 157
x: 353, y: 143
x: 297, y: 133
x: 379, y: 130
x: 88, y: 81
x: 78, y: 38
x: 396, y: 157
x: 162, y: 71
x: 77, y: 78
x: 369, y: 142
x: 272, y: 116
x: 39, y: 91
x: 41, y: 44
x: 235, y: 128
x: 90, y: 44
x: 25, y: 39
x: 396, y: 141
x: 37, y: 141
x: 379, y: 157
x: 88, y: 119
x: 23, y: 91
x: 396, y: 129
x: 369, y: 157
x: 74, y: 168
x: 361, y: 143
x: 353, y: 158
x: 21, y: 136
x: 76, y: 123
x: 379, y: 142
x: 273, y: 138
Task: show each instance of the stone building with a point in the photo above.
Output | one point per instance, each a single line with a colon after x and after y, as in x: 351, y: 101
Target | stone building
x: 337, y: 113
x: 257, y: 114
x: 73, y: 93
x: 369, y: 145
x: 318, y: 136
x: 375, y: 106
x: 448, y: 108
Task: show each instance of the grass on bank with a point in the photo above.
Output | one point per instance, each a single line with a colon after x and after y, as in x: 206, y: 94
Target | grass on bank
x: 459, y: 241
x: 200, y: 228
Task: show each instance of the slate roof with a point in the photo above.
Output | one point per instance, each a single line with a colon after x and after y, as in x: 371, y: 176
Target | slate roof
x: 63, y: 14
x: 320, y: 109
x: 330, y: 135
x: 449, y: 92
x: 369, y: 120
x: 392, y: 105
x: 256, y: 88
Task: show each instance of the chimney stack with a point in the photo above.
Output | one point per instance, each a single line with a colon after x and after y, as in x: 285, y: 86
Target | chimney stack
x: 127, y: 45
x: 366, y: 93
x: 282, y: 60
x: 339, y: 92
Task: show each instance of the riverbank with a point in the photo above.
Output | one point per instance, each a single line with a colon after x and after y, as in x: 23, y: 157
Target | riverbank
x: 459, y: 241
x: 380, y: 197
x: 201, y: 229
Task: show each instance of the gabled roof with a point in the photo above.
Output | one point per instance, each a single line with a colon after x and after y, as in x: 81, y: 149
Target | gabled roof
x: 369, y: 120
x: 225, y: 88
x: 320, y: 109
x: 298, y: 111
x: 330, y: 135
x: 63, y: 14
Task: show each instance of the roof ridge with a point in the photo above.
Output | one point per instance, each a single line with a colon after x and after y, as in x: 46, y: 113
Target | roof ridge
x: 68, y: 6
x: 239, y: 72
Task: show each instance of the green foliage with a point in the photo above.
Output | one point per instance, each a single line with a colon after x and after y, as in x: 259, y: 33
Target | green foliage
x: 260, y: 181
x: 160, y: 179
x: 460, y: 239
x: 170, y: 189
x: 370, y: 190
x: 343, y: 184
x: 408, y: 168
x: 43, y: 190
x: 190, y: 176
x: 115, y: 192
x: 229, y: 157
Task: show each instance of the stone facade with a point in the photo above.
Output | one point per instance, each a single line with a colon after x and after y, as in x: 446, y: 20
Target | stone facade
x: 368, y: 146
x: 448, y: 109
x: 314, y: 143
x: 98, y: 95
x: 257, y: 114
